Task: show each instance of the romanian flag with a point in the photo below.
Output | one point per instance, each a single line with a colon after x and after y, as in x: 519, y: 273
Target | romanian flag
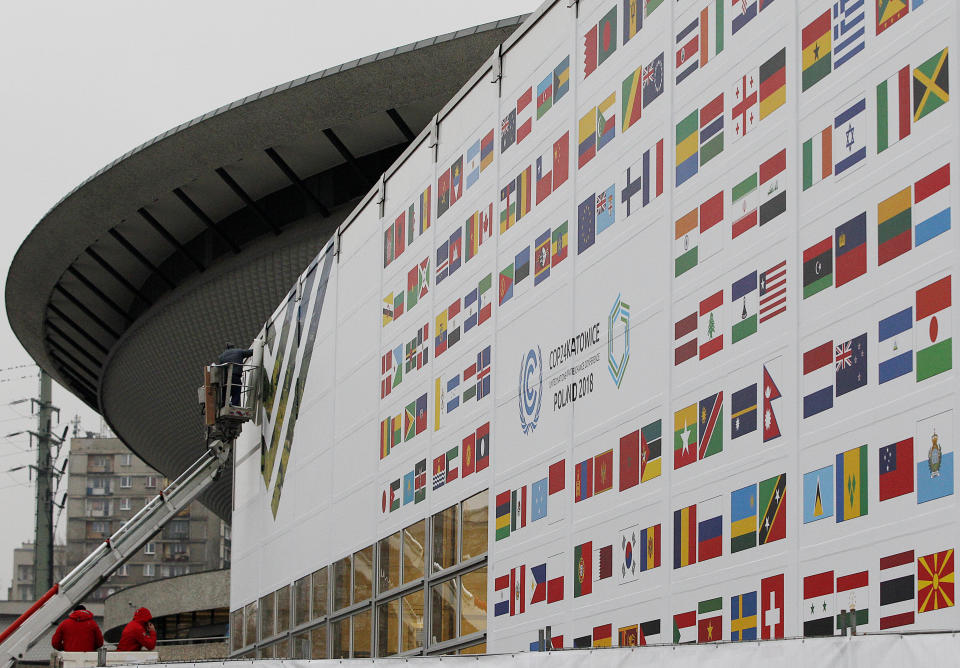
x: 815, y: 39
x: 523, y: 193
x: 471, y: 231
x: 685, y: 536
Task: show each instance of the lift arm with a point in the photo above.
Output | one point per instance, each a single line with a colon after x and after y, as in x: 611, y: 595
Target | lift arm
x: 111, y: 554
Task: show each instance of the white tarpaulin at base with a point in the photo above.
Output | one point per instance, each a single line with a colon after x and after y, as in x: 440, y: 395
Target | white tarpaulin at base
x: 877, y: 651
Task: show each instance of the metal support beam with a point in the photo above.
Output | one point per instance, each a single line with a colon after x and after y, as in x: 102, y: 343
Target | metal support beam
x: 74, y: 376
x: 141, y: 257
x: 80, y: 330
x: 205, y: 219
x: 87, y: 312
x: 401, y: 124
x: 347, y: 155
x: 99, y: 293
x: 246, y: 199
x: 295, y: 180
x: 52, y: 326
x: 121, y: 279
x: 43, y: 525
x: 169, y: 238
x: 69, y: 356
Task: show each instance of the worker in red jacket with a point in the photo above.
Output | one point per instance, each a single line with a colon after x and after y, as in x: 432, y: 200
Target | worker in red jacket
x: 139, y: 633
x: 77, y: 633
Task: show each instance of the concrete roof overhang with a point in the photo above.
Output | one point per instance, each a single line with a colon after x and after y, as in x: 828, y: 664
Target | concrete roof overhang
x: 136, y: 278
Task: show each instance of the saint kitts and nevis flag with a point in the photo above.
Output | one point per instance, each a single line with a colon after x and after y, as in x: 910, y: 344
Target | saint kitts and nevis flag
x: 769, y: 497
x: 914, y: 215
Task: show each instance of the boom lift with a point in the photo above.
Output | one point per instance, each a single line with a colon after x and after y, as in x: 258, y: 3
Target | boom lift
x: 223, y: 422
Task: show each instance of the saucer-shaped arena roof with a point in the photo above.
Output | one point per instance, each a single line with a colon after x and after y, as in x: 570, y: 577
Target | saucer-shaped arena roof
x: 137, y: 278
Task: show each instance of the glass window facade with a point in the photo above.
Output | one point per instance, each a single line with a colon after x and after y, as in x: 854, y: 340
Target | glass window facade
x: 283, y: 609
x: 342, y: 583
x: 445, y: 538
x: 266, y: 616
x: 443, y: 611
x: 320, y: 582
x: 473, y: 526
x: 414, y: 549
x: 363, y: 574
x: 388, y: 563
x: 301, y: 601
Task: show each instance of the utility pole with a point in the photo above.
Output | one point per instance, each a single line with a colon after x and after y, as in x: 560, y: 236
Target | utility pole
x: 43, y: 541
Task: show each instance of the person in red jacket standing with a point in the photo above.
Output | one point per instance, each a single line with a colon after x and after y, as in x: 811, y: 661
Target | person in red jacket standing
x: 139, y: 633
x: 77, y: 633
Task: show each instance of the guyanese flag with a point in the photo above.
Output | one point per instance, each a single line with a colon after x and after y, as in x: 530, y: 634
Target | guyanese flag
x: 815, y: 39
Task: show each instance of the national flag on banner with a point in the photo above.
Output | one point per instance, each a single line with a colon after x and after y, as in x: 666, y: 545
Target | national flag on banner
x: 773, y: 291
x: 710, y: 425
x: 628, y: 554
x: 652, y: 80
x: 891, y: 11
x: 933, y: 340
x: 896, y: 469
x: 818, y: 605
x: 502, y: 515
x: 852, y: 484
x: 773, y: 83
x: 599, y: 42
x: 743, y: 411
x: 518, y: 589
x: 930, y: 85
x: 685, y: 628
x: 688, y: 50
x: 773, y: 187
x: 893, y: 108
x: 685, y: 436
x: 744, y: 306
x: 850, y: 135
x: 587, y: 137
x: 743, y: 201
x: 850, y: 248
x: 644, y: 177
x: 817, y: 158
x: 744, y: 112
x: 559, y: 244
x: 818, y: 379
x: 582, y: 569
x: 631, y: 97
x: 685, y: 339
x: 934, y: 467
x: 538, y: 499
x: 935, y: 581
x: 503, y: 594
x: 687, y: 161
x: 772, y: 493
x: 583, y: 480
x: 606, y: 208
x: 853, y: 595
x: 650, y: 465
x: 710, y: 529
x: 603, y: 563
x: 818, y: 488
x: 456, y: 180
x: 632, y: 19
x: 686, y: 233
x: 628, y: 636
x: 849, y: 30
x: 817, y: 268
x: 557, y: 476
x: 743, y: 11
x: 541, y: 258
x: 710, y: 620
x: 685, y: 536
x: 895, y: 338
x: 586, y: 223
x: 771, y: 605
x: 486, y: 151
x: 602, y: 635
x: 816, y: 61
x: 743, y: 617
x: 897, y: 590
x: 649, y: 552
x: 743, y: 518
x: 650, y: 633
x: 606, y: 121
x: 556, y: 566
x: 630, y: 460
x: 771, y: 429
x: 518, y: 509
x: 538, y: 584
x: 603, y: 472
x: 894, y: 230
x: 473, y: 163
x: 711, y: 130
x: 544, y: 95
x: 561, y: 79
x: 524, y: 114
x: 931, y: 196
x: 710, y: 325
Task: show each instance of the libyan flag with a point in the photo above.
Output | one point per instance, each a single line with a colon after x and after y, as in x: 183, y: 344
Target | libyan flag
x: 934, y: 344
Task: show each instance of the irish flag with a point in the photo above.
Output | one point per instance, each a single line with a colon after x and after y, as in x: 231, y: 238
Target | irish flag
x: 934, y: 344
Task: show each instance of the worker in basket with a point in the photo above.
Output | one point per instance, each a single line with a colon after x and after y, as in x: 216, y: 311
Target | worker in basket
x: 78, y: 632
x: 236, y: 356
x: 139, y: 633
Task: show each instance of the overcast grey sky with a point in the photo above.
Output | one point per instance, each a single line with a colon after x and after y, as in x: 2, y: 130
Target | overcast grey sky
x: 87, y: 81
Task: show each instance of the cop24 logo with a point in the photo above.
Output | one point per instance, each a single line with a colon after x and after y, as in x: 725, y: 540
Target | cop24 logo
x: 530, y: 390
x: 618, y: 345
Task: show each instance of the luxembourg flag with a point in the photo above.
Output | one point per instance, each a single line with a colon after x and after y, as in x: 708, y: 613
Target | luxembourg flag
x: 932, y: 334
x: 896, y: 345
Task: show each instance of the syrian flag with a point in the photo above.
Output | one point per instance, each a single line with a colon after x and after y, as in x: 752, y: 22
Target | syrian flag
x: 933, y: 341
x: 818, y: 605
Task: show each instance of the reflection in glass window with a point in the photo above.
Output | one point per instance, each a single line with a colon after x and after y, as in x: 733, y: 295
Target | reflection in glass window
x: 320, y: 593
x: 340, y: 639
x: 300, y: 646
x: 318, y: 642
x: 414, y: 552
x: 301, y: 601
x: 479, y: 648
x: 266, y: 616
x: 388, y: 628
x: 236, y: 630
x: 411, y: 621
x: 443, y: 613
x: 473, y: 540
x: 281, y: 649
x: 388, y: 563
x: 250, y: 622
x: 265, y: 652
x: 341, y: 584
x: 473, y: 601
x: 363, y: 574
x: 283, y: 609
x: 445, y: 538
x: 361, y: 634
